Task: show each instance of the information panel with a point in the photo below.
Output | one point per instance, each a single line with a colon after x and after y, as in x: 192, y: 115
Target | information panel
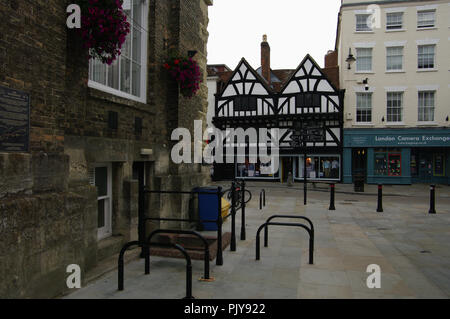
x: 14, y: 120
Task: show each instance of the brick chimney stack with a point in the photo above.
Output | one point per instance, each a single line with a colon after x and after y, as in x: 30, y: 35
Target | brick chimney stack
x: 265, y: 59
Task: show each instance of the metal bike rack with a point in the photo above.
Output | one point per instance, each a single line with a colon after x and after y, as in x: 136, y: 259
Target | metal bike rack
x: 120, y: 262
x: 181, y: 232
x: 262, y: 199
x: 219, y: 220
x: 176, y: 246
x: 238, y: 201
x: 310, y: 231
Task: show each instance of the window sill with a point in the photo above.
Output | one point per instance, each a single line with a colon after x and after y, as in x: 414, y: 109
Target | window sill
x: 427, y: 70
x: 396, y: 30
x: 427, y: 123
x: 108, y: 97
x: 364, y: 72
x: 395, y: 71
x: 363, y: 124
x: 395, y: 124
x: 426, y: 28
x: 364, y: 32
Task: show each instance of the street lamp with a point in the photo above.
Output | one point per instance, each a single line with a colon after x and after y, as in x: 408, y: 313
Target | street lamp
x: 350, y: 59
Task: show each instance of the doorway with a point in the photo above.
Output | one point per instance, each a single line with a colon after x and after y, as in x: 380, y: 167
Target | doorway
x: 359, y: 163
x: 286, y: 168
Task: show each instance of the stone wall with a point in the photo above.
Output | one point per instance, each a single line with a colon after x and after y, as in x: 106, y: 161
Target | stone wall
x: 48, y: 210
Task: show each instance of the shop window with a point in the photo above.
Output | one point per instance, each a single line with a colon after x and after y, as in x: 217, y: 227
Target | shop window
x: 256, y: 170
x: 414, y: 162
x: 380, y: 166
x: 388, y: 162
x: 318, y: 167
x: 439, y: 165
x: 395, y: 165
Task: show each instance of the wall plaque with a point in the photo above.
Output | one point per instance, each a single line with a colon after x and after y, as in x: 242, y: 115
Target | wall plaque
x: 14, y: 120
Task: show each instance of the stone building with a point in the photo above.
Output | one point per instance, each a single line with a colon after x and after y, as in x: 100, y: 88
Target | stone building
x: 70, y: 195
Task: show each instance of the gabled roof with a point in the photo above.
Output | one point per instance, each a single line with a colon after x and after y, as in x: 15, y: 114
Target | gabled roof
x: 280, y: 78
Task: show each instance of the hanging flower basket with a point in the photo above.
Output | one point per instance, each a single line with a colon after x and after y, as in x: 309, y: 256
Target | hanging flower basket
x: 104, y: 28
x: 187, y: 73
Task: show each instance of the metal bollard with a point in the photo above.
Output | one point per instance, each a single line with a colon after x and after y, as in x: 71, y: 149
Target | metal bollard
x: 233, y: 217
x: 264, y: 198
x: 380, y: 199
x: 260, y: 201
x: 243, y: 211
x: 432, y: 199
x: 332, y: 186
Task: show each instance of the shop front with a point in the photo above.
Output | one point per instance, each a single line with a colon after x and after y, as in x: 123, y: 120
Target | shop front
x: 397, y: 156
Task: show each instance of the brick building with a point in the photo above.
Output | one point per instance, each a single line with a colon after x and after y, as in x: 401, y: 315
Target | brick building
x: 71, y: 196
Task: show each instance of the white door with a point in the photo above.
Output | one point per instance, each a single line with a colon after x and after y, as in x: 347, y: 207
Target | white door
x: 101, y: 177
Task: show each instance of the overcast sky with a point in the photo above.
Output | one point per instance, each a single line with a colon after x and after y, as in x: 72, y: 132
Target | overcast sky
x: 294, y: 28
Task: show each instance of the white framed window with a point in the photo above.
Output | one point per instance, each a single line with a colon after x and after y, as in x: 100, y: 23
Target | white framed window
x: 127, y: 76
x: 364, y: 107
x: 426, y: 57
x: 362, y: 24
x: 394, y: 21
x: 394, y: 107
x: 101, y: 177
x: 364, y: 59
x: 426, y: 102
x: 394, y: 58
x: 426, y: 19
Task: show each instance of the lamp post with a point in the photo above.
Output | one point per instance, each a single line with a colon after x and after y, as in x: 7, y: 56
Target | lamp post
x: 350, y: 59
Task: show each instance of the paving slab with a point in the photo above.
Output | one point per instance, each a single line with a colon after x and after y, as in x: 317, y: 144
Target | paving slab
x: 411, y: 247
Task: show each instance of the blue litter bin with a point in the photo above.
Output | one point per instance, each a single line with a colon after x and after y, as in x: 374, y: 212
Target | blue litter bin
x: 208, y: 206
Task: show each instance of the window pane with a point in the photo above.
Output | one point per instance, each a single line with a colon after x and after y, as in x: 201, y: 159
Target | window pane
x: 101, y: 180
x: 362, y: 22
x: 426, y: 19
x: 394, y: 20
x: 364, y: 59
x: 137, y: 13
x: 125, y: 75
x: 364, y: 107
x: 136, y: 79
x: 426, y: 57
x: 98, y: 72
x: 137, y: 45
x: 394, y: 59
x: 426, y: 106
x: 101, y: 213
x: 113, y: 75
x: 394, y: 106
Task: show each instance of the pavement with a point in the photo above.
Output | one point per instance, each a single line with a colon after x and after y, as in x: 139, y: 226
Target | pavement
x: 410, y: 246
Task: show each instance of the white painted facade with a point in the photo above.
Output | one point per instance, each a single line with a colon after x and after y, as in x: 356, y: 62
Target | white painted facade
x: 403, y: 55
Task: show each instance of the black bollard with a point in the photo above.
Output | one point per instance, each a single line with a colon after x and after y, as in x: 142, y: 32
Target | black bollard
x: 380, y: 198
x: 233, y: 217
x: 264, y: 198
x: 432, y: 199
x: 243, y: 211
x: 260, y: 200
x: 332, y: 186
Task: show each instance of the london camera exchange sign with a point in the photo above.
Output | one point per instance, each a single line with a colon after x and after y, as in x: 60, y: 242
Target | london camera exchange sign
x: 14, y: 120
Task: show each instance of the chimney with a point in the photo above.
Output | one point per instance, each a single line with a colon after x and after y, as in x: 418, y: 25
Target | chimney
x: 265, y: 59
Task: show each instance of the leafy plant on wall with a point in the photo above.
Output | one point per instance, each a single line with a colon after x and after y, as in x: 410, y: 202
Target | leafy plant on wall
x: 104, y: 28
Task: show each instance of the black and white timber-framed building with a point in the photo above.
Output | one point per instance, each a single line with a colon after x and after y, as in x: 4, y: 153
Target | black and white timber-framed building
x: 307, y: 103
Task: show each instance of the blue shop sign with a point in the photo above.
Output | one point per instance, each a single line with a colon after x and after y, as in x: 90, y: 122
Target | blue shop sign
x: 385, y: 138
